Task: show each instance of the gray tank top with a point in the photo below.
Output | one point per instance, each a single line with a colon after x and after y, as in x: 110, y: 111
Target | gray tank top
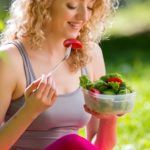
x: 66, y: 116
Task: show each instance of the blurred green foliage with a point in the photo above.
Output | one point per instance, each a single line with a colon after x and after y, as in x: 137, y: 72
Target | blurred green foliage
x: 130, y: 20
x: 3, y: 15
x: 130, y: 57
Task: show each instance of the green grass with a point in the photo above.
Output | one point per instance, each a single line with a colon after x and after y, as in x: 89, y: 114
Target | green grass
x: 134, y: 127
x: 130, y: 57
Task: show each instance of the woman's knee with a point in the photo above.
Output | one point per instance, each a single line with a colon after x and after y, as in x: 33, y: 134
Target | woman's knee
x: 75, y: 142
x: 71, y: 142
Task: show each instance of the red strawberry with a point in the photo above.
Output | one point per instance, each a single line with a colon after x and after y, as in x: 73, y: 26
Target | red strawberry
x: 94, y: 91
x: 115, y: 79
x: 75, y: 43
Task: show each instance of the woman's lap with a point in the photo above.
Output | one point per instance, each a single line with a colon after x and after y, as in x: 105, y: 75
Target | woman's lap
x: 71, y: 142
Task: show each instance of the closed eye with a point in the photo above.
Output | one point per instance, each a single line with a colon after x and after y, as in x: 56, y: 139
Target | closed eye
x: 90, y: 8
x: 71, y: 6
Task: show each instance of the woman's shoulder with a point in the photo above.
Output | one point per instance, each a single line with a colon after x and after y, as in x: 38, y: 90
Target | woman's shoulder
x: 9, y: 56
x: 8, y: 51
x: 8, y: 62
x: 96, y: 64
x: 94, y: 48
x: 8, y: 76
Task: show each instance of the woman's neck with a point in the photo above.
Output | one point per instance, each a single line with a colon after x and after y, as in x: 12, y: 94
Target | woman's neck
x: 53, y: 44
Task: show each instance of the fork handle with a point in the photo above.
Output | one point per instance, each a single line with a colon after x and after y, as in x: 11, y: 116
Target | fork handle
x: 56, y: 67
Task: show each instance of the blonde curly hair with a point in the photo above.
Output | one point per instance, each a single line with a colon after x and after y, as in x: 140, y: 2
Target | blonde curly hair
x: 27, y: 19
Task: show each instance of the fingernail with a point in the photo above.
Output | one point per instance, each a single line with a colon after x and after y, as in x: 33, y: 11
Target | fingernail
x: 49, y: 80
x: 43, y: 78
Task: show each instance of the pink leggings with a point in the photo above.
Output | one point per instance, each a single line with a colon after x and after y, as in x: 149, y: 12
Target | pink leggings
x: 71, y: 142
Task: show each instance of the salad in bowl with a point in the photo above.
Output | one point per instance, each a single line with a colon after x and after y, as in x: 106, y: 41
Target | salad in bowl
x: 110, y: 94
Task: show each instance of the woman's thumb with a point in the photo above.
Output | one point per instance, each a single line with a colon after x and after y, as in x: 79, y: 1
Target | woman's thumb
x: 29, y: 90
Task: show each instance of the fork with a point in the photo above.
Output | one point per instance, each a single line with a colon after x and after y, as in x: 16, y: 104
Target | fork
x: 67, y: 54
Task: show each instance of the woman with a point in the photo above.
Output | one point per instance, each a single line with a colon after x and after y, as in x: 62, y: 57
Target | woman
x: 36, y: 110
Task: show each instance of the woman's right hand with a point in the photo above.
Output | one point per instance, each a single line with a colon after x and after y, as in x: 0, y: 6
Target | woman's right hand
x: 40, y: 95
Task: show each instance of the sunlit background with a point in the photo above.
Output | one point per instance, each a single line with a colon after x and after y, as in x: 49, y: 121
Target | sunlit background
x: 126, y: 49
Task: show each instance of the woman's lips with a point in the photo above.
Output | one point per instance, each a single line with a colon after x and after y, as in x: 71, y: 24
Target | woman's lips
x: 75, y: 26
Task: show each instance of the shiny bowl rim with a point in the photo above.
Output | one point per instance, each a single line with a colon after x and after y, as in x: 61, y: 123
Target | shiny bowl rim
x: 109, y: 96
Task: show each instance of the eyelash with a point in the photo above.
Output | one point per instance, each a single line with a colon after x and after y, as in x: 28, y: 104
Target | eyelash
x: 74, y: 7
x: 90, y: 8
x: 71, y: 7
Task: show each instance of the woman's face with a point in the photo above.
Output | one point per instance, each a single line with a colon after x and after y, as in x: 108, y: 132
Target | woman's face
x: 69, y: 16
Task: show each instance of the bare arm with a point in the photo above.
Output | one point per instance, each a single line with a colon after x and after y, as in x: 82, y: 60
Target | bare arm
x: 16, y: 125
x: 106, y: 136
x: 35, y: 103
x: 100, y: 130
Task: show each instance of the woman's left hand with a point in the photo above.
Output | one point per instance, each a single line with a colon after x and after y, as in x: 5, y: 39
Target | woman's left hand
x: 99, y: 115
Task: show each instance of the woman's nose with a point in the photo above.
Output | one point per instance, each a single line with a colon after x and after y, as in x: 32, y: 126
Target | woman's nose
x: 83, y: 14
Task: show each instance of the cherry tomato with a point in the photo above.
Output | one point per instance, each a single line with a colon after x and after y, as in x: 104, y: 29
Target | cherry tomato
x: 94, y: 91
x: 75, y: 43
x: 115, y: 79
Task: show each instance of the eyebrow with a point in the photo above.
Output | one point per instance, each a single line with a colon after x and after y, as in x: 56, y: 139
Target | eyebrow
x: 90, y: 1
x: 93, y: 1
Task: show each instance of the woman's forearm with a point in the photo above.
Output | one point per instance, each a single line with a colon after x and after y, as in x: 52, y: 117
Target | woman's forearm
x: 14, y: 128
x: 106, y: 136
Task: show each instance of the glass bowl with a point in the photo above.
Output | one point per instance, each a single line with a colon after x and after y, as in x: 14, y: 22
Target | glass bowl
x: 109, y: 104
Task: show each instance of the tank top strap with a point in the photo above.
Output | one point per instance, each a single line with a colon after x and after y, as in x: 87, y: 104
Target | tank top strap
x: 29, y: 74
x: 84, y: 71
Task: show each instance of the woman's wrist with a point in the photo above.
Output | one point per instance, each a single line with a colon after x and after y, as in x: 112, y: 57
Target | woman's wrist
x: 28, y: 113
x: 112, y: 119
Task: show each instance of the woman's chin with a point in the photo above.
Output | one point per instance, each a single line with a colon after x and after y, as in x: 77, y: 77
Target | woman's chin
x: 72, y: 35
